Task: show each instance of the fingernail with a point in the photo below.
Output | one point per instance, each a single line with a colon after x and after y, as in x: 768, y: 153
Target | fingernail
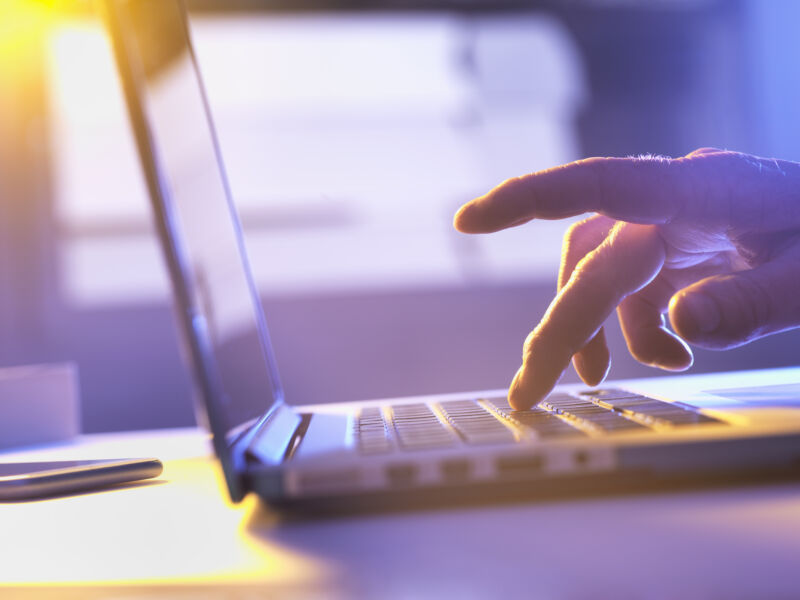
x: 703, y: 311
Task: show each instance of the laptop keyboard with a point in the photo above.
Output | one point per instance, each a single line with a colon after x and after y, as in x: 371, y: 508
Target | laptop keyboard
x: 492, y: 421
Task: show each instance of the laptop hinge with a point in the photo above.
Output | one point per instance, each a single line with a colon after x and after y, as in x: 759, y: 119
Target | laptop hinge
x: 269, y: 444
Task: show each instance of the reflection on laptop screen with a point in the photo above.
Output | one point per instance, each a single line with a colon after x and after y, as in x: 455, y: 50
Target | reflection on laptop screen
x: 193, y: 182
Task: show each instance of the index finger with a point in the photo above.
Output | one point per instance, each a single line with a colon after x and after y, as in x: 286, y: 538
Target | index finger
x: 714, y: 187
x: 625, y: 262
x: 621, y: 188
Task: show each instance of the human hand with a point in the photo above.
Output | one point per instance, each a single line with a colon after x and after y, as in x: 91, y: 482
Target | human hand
x: 712, y: 239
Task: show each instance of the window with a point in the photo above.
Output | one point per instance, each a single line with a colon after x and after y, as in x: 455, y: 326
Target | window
x: 349, y: 143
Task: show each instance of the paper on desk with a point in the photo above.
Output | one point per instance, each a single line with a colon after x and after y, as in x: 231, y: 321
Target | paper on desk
x: 38, y: 404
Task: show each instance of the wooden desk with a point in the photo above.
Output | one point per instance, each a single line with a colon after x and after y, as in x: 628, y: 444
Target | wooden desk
x: 182, y: 538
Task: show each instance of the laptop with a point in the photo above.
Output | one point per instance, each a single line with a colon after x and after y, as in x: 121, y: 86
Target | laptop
x: 657, y: 432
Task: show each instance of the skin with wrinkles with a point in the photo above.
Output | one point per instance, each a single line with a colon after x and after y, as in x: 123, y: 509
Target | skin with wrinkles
x: 711, y: 240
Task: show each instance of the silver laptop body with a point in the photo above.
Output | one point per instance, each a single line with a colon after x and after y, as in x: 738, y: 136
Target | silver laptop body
x: 444, y: 448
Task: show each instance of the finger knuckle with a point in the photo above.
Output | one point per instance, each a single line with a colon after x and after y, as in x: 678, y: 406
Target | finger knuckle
x: 575, y: 233
x: 594, y: 272
x: 705, y: 150
x: 527, y: 346
x: 545, y: 341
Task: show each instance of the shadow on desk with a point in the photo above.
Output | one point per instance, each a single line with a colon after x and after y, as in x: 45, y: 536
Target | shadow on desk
x: 733, y: 543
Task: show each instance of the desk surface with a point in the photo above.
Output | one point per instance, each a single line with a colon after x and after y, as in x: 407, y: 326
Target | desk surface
x: 181, y: 532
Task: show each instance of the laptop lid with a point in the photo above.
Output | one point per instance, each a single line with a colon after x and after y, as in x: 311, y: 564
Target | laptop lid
x: 219, y: 311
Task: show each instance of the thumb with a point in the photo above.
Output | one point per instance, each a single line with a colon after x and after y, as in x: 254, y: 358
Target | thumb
x: 729, y: 310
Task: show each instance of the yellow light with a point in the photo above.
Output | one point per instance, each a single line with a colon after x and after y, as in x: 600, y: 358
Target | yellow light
x: 180, y: 531
x: 21, y: 18
x: 25, y: 21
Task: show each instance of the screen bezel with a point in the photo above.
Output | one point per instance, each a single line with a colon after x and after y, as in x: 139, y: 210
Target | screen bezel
x: 197, y: 345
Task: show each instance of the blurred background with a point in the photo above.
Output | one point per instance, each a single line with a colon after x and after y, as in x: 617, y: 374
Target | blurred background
x: 352, y: 131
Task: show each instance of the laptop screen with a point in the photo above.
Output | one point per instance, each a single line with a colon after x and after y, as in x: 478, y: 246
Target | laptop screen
x: 215, y: 295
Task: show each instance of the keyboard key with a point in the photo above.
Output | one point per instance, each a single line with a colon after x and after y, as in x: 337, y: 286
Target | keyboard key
x: 592, y: 414
x: 542, y: 422
x: 607, y: 393
x: 372, y: 435
x: 417, y: 427
x: 658, y: 411
x: 617, y: 423
x: 475, y: 424
x: 498, y: 402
